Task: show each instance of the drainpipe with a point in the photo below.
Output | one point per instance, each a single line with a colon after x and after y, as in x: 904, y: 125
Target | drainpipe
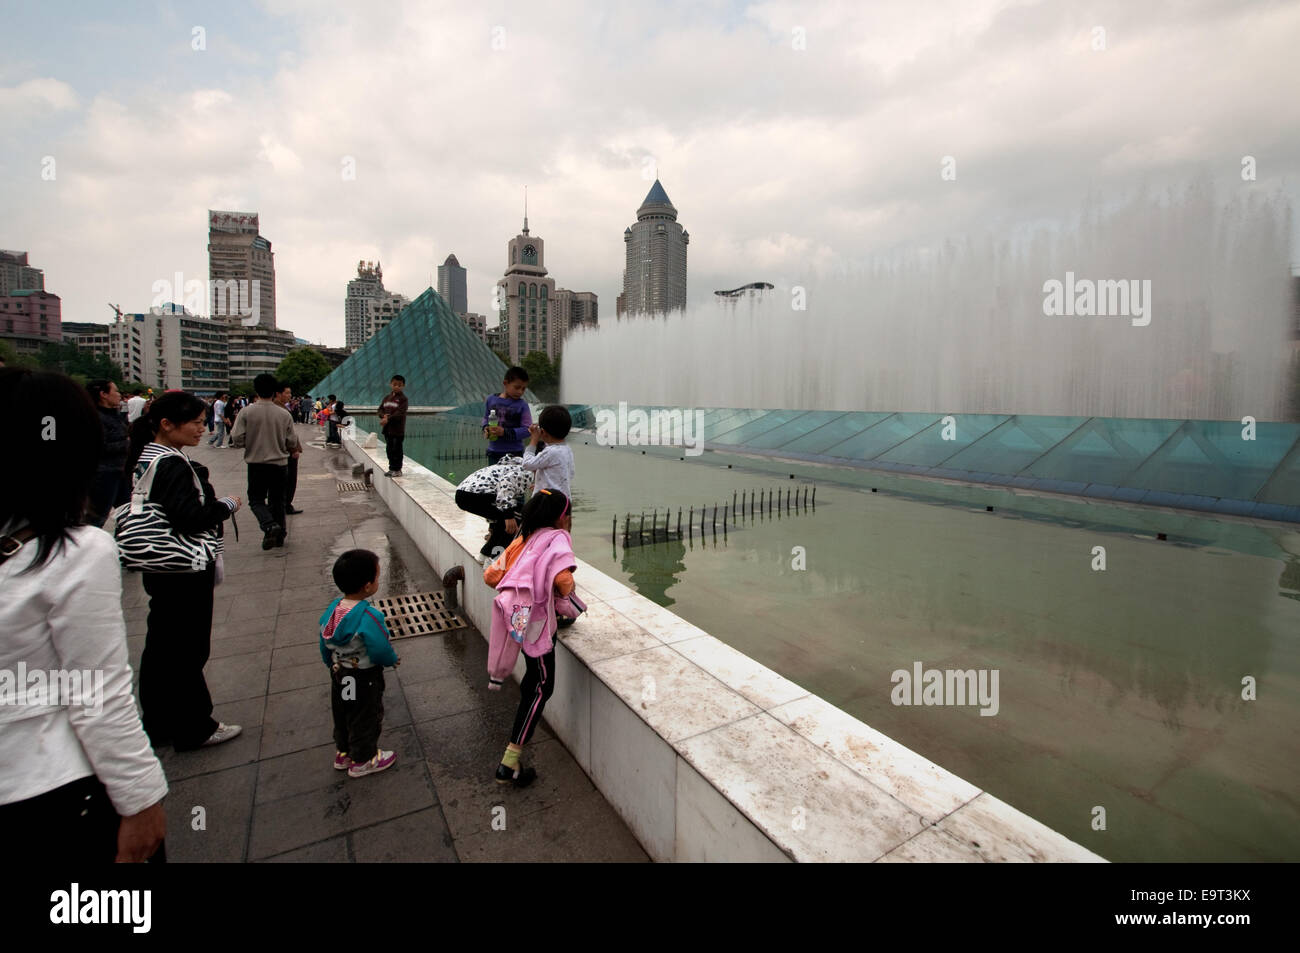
x: 449, y: 579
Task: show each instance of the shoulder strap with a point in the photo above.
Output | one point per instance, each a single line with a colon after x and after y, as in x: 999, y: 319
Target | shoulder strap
x: 144, y: 486
x: 13, y: 542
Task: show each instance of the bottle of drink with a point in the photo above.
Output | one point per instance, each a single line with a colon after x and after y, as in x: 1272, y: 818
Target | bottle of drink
x: 493, y: 419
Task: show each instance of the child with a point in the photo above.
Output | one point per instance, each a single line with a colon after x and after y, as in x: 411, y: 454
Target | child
x: 496, y: 493
x: 354, y: 644
x: 553, y: 465
x: 392, y: 418
x: 513, y: 418
x: 528, y: 576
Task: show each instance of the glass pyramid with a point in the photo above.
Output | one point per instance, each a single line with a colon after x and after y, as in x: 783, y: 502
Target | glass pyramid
x: 443, y: 361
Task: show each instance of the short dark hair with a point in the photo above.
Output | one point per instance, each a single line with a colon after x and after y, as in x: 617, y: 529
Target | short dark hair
x: 397, y: 377
x: 331, y: 397
x: 354, y: 569
x: 265, y: 385
x: 542, y: 511
x: 98, y: 388
x: 65, y: 458
x: 516, y: 374
x: 555, y: 420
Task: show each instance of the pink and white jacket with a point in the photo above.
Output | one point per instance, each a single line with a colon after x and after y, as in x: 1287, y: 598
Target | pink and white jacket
x: 547, y: 553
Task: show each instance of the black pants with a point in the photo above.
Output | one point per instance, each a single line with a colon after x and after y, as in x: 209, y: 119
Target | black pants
x: 534, y: 690
x: 290, y: 481
x: 108, y: 489
x: 266, y: 493
x: 173, y: 693
x: 75, y: 823
x: 485, y: 505
x: 494, y: 456
x: 332, y: 431
x: 394, y: 446
x: 359, y: 717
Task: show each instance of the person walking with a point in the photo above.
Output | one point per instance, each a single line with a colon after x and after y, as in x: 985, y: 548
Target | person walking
x: 173, y: 693
x: 109, y: 488
x: 80, y: 782
x: 218, y: 438
x: 284, y: 397
x: 265, y: 431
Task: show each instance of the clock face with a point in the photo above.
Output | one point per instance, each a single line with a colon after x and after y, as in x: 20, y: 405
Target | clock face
x: 530, y: 253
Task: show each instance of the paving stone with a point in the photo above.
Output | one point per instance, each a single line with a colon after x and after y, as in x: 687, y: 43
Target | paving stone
x: 421, y: 837
x: 297, y: 628
x: 583, y: 830
x: 360, y: 802
x: 286, y: 656
x: 298, y: 676
x: 468, y: 792
x: 226, y: 643
x: 304, y: 598
x: 237, y: 676
x: 452, y: 695
x: 225, y: 798
x: 296, y: 720
x: 332, y: 851
x: 242, y: 749
x: 472, y: 736
x: 311, y: 769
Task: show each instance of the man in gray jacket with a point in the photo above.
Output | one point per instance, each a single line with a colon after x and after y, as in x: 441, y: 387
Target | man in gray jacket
x: 265, y: 431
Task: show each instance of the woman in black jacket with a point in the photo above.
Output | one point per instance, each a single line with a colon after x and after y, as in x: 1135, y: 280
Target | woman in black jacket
x: 174, y: 696
x: 110, y: 487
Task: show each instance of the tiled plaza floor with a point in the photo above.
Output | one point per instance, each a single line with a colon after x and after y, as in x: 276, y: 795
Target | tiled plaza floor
x: 272, y: 793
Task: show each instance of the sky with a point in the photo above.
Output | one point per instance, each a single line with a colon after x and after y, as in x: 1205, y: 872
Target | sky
x: 792, y: 137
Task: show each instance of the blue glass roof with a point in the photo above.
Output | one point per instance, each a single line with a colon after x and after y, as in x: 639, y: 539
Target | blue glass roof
x: 1211, y: 465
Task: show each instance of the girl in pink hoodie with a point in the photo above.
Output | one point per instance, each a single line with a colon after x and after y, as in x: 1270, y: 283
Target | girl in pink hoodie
x: 535, y: 570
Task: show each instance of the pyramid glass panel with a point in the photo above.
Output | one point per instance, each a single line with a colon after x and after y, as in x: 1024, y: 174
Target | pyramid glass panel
x: 444, y: 362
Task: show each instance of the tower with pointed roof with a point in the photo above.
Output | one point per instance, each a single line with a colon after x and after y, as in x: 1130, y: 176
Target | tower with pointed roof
x: 654, y: 272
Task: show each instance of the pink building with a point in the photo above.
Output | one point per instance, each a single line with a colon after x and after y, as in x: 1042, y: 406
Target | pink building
x: 29, y: 318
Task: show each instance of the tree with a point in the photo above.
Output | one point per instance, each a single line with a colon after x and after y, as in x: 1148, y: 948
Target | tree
x: 541, y: 375
x: 502, y: 357
x: 302, y: 369
x: 78, y: 364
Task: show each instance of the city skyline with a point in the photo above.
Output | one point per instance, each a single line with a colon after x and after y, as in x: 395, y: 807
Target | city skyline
x: 826, y: 146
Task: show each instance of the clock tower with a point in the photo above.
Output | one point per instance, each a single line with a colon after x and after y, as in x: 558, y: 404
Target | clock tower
x: 525, y: 298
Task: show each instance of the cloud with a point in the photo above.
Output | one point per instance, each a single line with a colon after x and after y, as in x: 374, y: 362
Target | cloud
x: 35, y: 96
x: 779, y: 159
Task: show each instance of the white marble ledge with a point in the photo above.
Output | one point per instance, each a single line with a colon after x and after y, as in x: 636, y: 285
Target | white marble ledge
x: 1000, y: 834
x: 808, y: 803
x: 662, y: 623
x: 596, y: 585
x: 602, y: 633
x: 673, y: 695
x: 751, y: 679
x: 922, y: 785
x: 932, y: 846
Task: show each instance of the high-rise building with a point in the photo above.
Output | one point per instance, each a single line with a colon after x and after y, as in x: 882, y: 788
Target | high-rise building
x: 571, y: 309
x: 241, y: 269
x: 533, y: 317
x: 17, y: 275
x: 476, y: 323
x: 30, y: 318
x: 255, y: 350
x: 87, y: 336
x: 654, y: 273
x: 170, y: 348
x: 525, y: 297
x: 368, y: 307
x: 451, y: 285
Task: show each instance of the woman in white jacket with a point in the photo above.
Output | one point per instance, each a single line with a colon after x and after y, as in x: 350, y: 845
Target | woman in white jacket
x: 80, y: 781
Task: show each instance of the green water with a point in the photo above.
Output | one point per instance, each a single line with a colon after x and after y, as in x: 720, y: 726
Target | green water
x: 1119, y: 689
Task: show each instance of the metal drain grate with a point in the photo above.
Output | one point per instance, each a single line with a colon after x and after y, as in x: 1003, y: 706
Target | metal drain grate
x: 351, y: 487
x: 421, y: 613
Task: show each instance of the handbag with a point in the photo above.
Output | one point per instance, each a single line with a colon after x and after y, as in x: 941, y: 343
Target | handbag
x: 146, y: 539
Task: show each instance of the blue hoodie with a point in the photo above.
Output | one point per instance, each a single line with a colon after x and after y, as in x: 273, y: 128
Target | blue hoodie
x: 360, y: 640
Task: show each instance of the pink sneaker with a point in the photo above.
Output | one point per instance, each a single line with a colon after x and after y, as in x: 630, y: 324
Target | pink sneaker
x: 341, y: 761
x: 382, y: 761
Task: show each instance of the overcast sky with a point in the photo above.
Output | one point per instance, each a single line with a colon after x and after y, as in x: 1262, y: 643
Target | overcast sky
x: 790, y: 136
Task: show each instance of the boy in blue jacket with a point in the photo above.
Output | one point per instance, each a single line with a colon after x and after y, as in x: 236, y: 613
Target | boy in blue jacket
x: 354, y: 644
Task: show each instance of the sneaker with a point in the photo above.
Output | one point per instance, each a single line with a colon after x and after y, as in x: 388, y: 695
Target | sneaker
x: 394, y: 473
x: 520, y: 778
x: 382, y: 761
x: 280, y: 536
x: 292, y: 511
x: 224, y: 732
x: 341, y: 761
x: 271, y: 535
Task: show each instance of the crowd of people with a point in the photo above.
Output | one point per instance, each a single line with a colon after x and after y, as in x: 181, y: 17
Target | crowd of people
x: 98, y: 787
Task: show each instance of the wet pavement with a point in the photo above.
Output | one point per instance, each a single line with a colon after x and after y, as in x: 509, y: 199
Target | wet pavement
x: 272, y: 793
